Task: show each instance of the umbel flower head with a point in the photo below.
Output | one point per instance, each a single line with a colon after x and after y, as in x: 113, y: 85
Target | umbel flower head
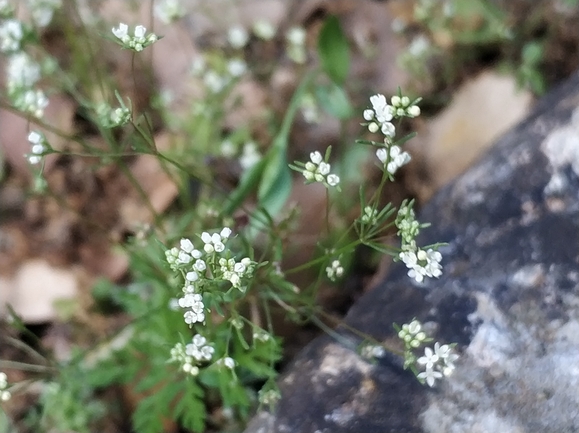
x: 318, y: 170
x: 139, y: 41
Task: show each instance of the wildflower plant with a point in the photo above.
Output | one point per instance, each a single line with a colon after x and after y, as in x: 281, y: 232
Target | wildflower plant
x: 206, y: 279
x: 435, y: 363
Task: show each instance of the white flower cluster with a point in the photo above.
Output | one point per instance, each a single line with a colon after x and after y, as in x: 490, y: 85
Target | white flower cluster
x: 234, y: 271
x: 335, y: 270
x: 372, y: 351
x: 112, y: 117
x: 218, y: 78
x: 380, y: 118
x: 11, y: 34
x: 403, y: 107
x: 192, y: 355
x: 169, y: 11
x: 408, y: 227
x: 5, y: 395
x: 39, y: 147
x: 139, y: 41
x: 370, y: 215
x: 43, y: 10
x: 194, y: 302
x: 199, y: 349
x: 392, y: 157
x: 268, y: 396
x: 193, y: 263
x: 437, y: 363
x: 421, y: 263
x: 22, y: 73
x: 412, y: 334
x: 317, y: 170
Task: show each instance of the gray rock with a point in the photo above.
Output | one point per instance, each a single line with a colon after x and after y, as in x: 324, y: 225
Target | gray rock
x: 509, y: 297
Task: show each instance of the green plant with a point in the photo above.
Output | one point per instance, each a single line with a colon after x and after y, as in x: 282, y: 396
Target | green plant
x: 226, y: 275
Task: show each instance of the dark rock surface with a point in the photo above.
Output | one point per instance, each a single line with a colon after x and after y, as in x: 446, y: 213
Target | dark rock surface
x: 509, y: 295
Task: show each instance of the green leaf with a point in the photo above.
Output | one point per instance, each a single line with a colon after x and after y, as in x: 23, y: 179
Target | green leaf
x: 334, y: 50
x: 148, y: 418
x: 190, y: 408
x: 248, y: 183
x: 532, y: 53
x: 276, y: 183
x: 335, y: 101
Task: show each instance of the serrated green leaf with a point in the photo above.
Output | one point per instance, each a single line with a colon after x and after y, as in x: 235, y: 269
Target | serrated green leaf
x: 150, y: 412
x: 334, y: 50
x: 190, y: 408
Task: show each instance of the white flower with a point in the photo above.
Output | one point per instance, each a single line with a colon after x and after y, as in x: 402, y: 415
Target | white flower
x: 38, y: 147
x: 225, y: 233
x: 264, y: 29
x: 192, y: 276
x: 335, y: 270
x: 421, y: 263
x: 229, y: 362
x: 388, y: 129
x: 237, y: 37
x: 193, y: 317
x: 249, y: 155
x: 319, y: 171
x: 397, y: 159
x: 214, y: 242
x: 138, y: 41
x: 199, y: 349
x: 296, y: 36
x: 382, y: 111
x: 316, y: 157
x: 5, y: 395
x: 324, y: 168
x: 122, y: 32
x: 193, y: 370
x: 186, y: 245
x: 140, y: 31
x: 3, y: 380
x: 382, y: 155
x: 213, y: 81
x: 413, y: 111
x: 333, y: 179
x: 429, y: 359
x: 430, y: 376
x: 11, y: 34
x: 200, y: 265
x: 169, y: 10
x: 236, y: 67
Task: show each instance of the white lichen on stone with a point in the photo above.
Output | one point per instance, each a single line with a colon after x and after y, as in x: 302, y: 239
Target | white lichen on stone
x: 561, y: 147
x: 519, y: 374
